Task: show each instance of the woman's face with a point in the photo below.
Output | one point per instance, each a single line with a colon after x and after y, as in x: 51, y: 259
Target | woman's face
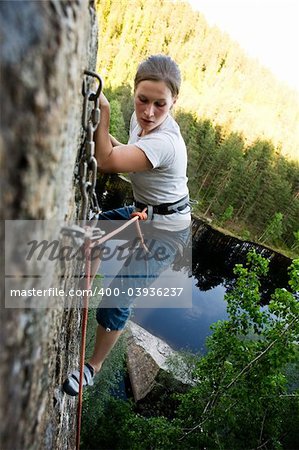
x: 153, y: 100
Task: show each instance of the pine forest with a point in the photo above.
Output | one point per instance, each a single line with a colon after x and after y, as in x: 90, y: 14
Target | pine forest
x: 240, y: 123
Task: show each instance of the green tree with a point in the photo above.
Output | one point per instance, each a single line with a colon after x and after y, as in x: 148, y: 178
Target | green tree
x: 274, y: 229
x: 117, y: 123
x: 123, y: 94
x: 227, y: 215
x: 295, y: 246
x: 241, y: 400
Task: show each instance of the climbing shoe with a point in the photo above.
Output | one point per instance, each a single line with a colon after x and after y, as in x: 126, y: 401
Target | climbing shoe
x: 71, y: 384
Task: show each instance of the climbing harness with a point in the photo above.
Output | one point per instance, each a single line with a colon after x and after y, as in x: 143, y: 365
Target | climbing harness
x: 88, y: 162
x: 165, y: 208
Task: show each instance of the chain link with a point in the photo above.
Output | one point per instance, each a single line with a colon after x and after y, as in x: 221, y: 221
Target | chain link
x: 88, y: 162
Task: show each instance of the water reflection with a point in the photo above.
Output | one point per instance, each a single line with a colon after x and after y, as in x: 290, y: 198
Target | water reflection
x: 185, y: 328
x: 214, y: 256
x: 212, y: 268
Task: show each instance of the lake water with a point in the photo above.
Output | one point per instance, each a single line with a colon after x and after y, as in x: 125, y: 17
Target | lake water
x: 187, y: 328
x: 212, y: 267
x: 181, y: 328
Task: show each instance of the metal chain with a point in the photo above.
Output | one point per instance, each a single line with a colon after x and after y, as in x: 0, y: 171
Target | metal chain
x: 88, y: 162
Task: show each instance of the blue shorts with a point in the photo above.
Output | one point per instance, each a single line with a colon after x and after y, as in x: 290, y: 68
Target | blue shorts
x: 141, y: 272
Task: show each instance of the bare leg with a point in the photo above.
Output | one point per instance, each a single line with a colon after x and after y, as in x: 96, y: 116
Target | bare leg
x: 105, y: 341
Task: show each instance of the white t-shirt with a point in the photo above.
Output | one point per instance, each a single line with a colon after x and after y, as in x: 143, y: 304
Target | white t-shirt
x: 166, y: 182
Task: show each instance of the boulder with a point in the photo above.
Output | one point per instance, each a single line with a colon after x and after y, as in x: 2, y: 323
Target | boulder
x: 149, y: 364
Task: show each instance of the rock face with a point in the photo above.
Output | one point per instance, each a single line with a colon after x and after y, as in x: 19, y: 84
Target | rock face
x: 45, y: 47
x: 148, y: 363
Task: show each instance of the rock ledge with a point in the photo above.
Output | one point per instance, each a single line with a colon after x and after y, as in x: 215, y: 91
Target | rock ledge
x: 147, y: 359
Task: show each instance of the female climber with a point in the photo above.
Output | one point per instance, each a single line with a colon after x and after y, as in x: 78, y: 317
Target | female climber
x: 155, y: 159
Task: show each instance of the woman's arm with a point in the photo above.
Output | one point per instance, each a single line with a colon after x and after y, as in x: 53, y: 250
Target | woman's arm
x: 119, y: 158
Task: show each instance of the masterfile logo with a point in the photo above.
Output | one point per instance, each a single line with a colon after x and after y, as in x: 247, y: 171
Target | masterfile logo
x: 44, y: 264
x: 53, y: 250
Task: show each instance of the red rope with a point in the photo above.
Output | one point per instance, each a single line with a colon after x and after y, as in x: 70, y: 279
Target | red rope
x: 105, y: 238
x: 136, y: 216
x: 141, y: 216
x: 83, y: 337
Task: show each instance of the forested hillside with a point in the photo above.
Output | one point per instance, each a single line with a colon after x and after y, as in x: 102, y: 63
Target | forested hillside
x: 241, y: 180
x: 248, y: 189
x: 220, y: 82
